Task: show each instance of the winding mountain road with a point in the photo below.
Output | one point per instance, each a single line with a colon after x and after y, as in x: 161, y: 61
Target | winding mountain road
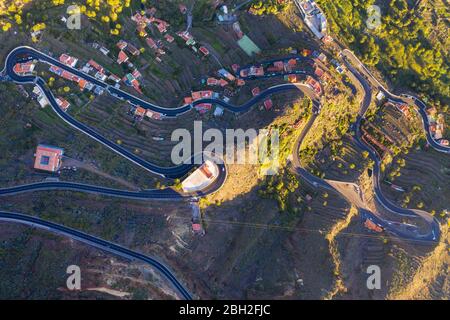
x: 23, y: 53
x: 365, y: 75
x: 97, y: 243
x: 402, y: 230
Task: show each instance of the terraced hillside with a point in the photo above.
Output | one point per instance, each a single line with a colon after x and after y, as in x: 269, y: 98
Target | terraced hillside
x: 408, y: 46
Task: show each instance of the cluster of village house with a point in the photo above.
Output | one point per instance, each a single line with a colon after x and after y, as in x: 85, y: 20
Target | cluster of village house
x: 436, y: 121
x: 28, y: 67
x: 49, y: 158
x: 288, y: 67
x: 278, y: 67
x: 146, y: 19
x: 224, y: 79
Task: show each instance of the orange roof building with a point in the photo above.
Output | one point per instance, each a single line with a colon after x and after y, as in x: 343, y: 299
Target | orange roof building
x: 268, y: 104
x: 432, y: 128
x: 136, y: 85
x: 169, y: 38
x: 212, y: 81
x: 372, y: 226
x: 68, y: 60
x: 48, y: 158
x: 82, y: 84
x: 67, y: 75
x: 151, y: 43
x: 70, y: 76
x: 162, y: 27
x: 255, y: 91
x: 292, y: 78
x: 404, y: 109
x: 121, y: 44
x: 255, y: 71
x: 136, y: 74
x: 279, y: 65
x: 96, y: 66
x: 318, y: 72
x: 204, y: 50
x: 122, y: 57
x: 141, y: 30
x: 23, y: 68
x: 314, y: 85
x: 153, y: 115
x: 62, y: 103
x: 306, y: 52
x: 139, y: 111
x: 196, y: 95
x: 223, y: 82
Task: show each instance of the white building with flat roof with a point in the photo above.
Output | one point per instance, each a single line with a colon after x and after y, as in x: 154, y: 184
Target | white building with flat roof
x: 201, y: 178
x: 40, y: 97
x: 313, y: 16
x: 380, y: 96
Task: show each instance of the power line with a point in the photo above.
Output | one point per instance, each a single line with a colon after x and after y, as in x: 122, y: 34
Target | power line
x: 306, y: 230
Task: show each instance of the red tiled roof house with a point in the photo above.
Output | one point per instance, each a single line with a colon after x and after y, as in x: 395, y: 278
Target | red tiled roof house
x: 48, y: 158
